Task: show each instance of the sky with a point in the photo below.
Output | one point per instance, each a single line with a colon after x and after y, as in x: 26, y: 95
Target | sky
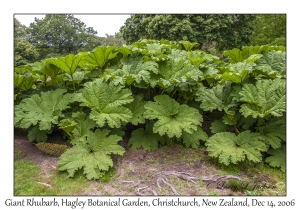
x: 103, y: 24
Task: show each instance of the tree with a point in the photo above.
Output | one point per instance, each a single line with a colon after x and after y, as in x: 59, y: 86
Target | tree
x: 269, y: 29
x: 225, y: 31
x: 24, y: 51
x: 109, y: 40
x: 113, y: 40
x: 64, y: 33
x: 20, y: 30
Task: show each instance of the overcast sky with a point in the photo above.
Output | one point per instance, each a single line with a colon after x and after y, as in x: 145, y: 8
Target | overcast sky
x: 103, y: 24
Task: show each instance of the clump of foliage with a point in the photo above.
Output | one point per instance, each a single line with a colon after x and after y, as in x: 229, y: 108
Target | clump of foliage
x: 221, y: 31
x: 240, y: 186
x: 163, y: 93
x: 24, y: 51
x: 269, y: 29
x: 52, y: 149
x: 73, y: 33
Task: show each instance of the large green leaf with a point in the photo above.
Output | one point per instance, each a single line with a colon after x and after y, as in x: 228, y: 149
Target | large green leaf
x: 172, y: 118
x: 145, y: 138
x: 24, y: 82
x: 237, y: 55
x: 101, y: 56
x: 198, y: 57
x: 125, y: 50
x: 218, y: 126
x: 76, y: 77
x: 272, y: 64
x: 238, y: 72
x: 68, y: 64
x: 137, y: 109
x: 274, y: 132
x: 44, y: 110
x: 266, y: 98
x: 35, y: 134
x: 155, y: 52
x: 193, y: 140
x: 112, y: 115
x: 67, y: 125
x: 106, y: 102
x: 277, y: 158
x: 177, y: 70
x: 188, y: 46
x: 134, y: 69
x: 78, y: 127
x: 92, y: 155
x: 218, y: 97
x: 230, y: 148
x: 47, y: 69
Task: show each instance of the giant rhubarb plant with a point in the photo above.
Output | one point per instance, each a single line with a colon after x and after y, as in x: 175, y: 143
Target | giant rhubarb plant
x: 172, y: 118
x: 41, y: 112
x: 106, y: 102
x: 92, y: 154
x: 264, y: 99
x: 248, y: 92
x: 229, y: 148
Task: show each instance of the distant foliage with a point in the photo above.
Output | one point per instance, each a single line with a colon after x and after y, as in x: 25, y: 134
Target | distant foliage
x: 269, y: 29
x: 62, y: 33
x: 223, y: 31
x: 24, y: 51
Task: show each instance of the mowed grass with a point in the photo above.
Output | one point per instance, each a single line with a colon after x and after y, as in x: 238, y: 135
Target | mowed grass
x: 29, y: 180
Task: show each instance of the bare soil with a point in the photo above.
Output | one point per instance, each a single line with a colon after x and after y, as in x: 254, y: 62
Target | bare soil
x: 171, y: 170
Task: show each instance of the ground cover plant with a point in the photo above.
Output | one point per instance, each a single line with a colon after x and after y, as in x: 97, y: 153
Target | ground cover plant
x: 156, y: 93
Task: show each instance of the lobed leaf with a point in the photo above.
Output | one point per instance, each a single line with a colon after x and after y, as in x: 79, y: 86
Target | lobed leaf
x: 238, y: 72
x: 218, y: 97
x: 68, y: 64
x: 35, y: 134
x: 92, y: 155
x: 218, y: 126
x: 106, y: 102
x: 101, y: 56
x: 82, y: 128
x: 237, y: 55
x: 277, y: 158
x: 272, y: 64
x: 274, y: 132
x: 112, y: 116
x: 133, y: 69
x: 24, y: 82
x: 43, y: 110
x: 67, y: 125
x: 145, y: 138
x: 137, y: 109
x: 229, y: 148
x: 193, y: 140
x: 173, y: 118
x: 264, y: 99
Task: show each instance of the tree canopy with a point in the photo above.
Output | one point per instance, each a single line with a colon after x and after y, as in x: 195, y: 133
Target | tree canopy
x: 24, y: 51
x: 109, y: 40
x: 269, y: 29
x: 62, y: 32
x: 224, y: 31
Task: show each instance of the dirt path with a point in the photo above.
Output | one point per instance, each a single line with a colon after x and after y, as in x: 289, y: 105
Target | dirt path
x: 172, y: 170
